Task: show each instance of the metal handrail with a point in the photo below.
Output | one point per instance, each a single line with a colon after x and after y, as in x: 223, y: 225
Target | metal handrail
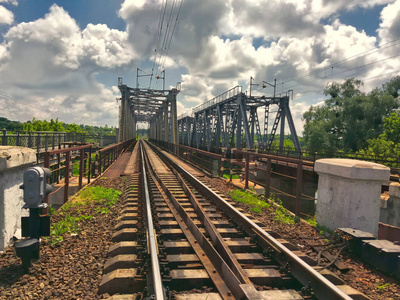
x: 226, y: 95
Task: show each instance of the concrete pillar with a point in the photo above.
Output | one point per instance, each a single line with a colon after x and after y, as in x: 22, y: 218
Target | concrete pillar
x: 390, y: 206
x: 349, y: 193
x: 13, y: 162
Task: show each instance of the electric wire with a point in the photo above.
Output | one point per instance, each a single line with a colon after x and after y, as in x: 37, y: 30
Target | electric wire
x: 8, y: 97
x: 173, y: 30
x: 159, y: 32
x: 348, y: 70
x: 348, y: 59
x: 167, y: 30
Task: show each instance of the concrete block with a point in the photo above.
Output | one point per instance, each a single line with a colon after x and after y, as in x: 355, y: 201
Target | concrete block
x: 383, y: 255
x: 391, y: 213
x: 349, y: 193
x: 120, y: 281
x: 13, y: 162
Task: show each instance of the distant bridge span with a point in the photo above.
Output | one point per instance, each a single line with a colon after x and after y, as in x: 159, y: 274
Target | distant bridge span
x: 230, y: 120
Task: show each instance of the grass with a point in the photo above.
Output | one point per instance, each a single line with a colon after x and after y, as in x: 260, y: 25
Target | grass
x: 250, y: 199
x: 103, y: 198
x: 281, y: 214
x: 382, y: 286
x: 67, y: 225
x: 227, y: 176
x: 283, y: 217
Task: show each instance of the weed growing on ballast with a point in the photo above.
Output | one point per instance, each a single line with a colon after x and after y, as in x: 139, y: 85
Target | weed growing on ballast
x: 250, y: 199
x: 69, y: 224
x: 382, y: 286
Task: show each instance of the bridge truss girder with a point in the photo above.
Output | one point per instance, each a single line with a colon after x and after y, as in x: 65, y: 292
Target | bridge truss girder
x: 156, y: 107
x: 231, y: 121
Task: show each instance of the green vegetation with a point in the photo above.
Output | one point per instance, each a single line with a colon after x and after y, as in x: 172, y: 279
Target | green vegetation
x: 388, y: 143
x: 227, y: 176
x: 102, y: 210
x: 99, y: 195
x: 10, y: 125
x: 103, y: 198
x: 382, y: 286
x: 55, y: 125
x: 281, y: 214
x: 311, y: 221
x: 67, y: 225
x: 351, y: 120
x: 250, y: 199
x: 283, y: 217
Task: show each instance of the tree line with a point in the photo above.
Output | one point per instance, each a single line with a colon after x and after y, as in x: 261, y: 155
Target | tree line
x: 55, y: 125
x: 354, y: 121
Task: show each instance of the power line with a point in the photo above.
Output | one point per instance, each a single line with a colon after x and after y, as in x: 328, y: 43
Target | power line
x: 348, y: 70
x: 8, y: 97
x: 364, y: 79
x: 159, y: 32
x: 348, y: 59
x: 173, y: 30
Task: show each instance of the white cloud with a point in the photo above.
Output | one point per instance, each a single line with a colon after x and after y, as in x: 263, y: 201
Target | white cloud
x: 6, y: 16
x: 50, y: 60
x: 217, y: 44
x: 13, y: 2
x: 389, y: 28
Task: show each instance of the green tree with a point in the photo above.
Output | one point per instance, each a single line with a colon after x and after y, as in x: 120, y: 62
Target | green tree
x: 388, y: 143
x: 349, y: 118
x: 75, y: 128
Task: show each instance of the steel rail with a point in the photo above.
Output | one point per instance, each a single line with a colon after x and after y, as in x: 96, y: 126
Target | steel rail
x: 237, y: 288
x: 152, y: 239
x: 323, y: 288
x: 217, y: 240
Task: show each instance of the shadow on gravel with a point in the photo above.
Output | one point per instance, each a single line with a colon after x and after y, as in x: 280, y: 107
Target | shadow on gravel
x: 10, y: 274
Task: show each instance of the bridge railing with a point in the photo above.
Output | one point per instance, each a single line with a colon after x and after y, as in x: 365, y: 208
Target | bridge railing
x: 207, y: 161
x: 182, y: 116
x: 107, y: 156
x: 390, y: 161
x: 226, y: 95
x: 45, y: 140
x: 263, y: 163
x: 78, y: 164
x: 68, y: 165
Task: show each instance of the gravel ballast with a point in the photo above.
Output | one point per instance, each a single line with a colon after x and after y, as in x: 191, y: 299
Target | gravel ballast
x: 73, y: 269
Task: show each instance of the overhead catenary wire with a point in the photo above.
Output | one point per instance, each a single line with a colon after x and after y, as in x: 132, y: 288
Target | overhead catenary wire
x: 346, y: 60
x: 167, y: 26
x: 159, y: 33
x: 348, y: 70
x: 172, y: 34
x: 167, y: 30
x: 8, y: 97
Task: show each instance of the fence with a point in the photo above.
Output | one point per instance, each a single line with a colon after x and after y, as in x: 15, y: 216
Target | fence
x: 243, y: 159
x: 76, y: 163
x: 43, y: 141
x: 238, y: 162
x: 59, y: 162
x: 391, y: 161
x: 208, y: 161
x: 108, y: 155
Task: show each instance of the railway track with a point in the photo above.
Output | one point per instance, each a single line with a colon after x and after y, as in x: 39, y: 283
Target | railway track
x: 180, y: 239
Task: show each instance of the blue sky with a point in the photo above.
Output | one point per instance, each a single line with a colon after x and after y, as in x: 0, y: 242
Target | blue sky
x: 62, y: 58
x: 83, y: 11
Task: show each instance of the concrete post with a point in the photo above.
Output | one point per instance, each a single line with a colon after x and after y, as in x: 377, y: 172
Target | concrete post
x: 13, y: 162
x: 390, y: 208
x: 349, y: 193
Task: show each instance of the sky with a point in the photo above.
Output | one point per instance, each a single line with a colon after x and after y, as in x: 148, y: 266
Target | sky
x: 62, y: 59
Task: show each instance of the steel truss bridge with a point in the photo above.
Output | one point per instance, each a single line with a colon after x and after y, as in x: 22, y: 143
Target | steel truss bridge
x: 230, y: 120
x: 155, y: 107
